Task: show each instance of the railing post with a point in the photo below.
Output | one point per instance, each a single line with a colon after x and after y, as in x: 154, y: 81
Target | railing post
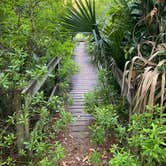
x: 19, y: 113
x: 26, y: 111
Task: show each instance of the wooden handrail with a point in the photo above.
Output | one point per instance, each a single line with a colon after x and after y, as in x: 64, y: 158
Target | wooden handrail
x: 35, y: 85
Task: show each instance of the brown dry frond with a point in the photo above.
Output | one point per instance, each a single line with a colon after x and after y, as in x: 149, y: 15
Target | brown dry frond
x: 149, y: 79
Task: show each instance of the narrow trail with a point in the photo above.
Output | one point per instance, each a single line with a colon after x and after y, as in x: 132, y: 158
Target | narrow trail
x: 77, y: 141
x: 83, y: 82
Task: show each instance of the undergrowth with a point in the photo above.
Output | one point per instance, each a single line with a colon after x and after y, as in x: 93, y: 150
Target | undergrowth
x: 43, y: 147
x: 140, y: 141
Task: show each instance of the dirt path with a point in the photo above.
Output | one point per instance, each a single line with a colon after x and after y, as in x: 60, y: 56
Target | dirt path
x: 76, y: 140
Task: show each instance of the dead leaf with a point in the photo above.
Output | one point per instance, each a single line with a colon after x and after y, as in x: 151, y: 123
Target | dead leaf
x: 92, y: 150
x: 152, y: 13
x: 64, y: 163
x: 71, y: 136
x: 86, y: 158
x: 77, y: 158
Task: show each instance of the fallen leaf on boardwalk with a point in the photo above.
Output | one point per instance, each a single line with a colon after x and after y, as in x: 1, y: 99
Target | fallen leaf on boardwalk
x: 64, y: 163
x: 86, y: 158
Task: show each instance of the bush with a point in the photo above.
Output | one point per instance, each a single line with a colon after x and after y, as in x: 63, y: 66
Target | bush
x: 95, y: 158
x: 122, y: 158
x: 148, y: 138
x: 106, y: 119
x: 145, y: 140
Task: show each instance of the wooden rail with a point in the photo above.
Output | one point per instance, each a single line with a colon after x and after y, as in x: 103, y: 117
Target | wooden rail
x: 35, y: 85
x: 31, y: 90
x: 118, y: 74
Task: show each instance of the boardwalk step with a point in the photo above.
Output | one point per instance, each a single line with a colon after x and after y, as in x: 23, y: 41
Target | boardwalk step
x: 82, y: 114
x: 83, y: 118
x: 76, y: 107
x: 81, y: 123
x: 79, y: 135
x: 78, y: 128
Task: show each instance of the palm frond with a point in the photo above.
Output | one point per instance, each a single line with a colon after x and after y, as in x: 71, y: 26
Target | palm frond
x: 150, y: 80
x: 81, y: 17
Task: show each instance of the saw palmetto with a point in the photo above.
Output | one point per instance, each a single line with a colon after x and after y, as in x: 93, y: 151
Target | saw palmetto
x: 82, y: 17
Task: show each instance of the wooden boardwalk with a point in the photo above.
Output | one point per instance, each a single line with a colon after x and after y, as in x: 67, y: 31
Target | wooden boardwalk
x: 81, y: 83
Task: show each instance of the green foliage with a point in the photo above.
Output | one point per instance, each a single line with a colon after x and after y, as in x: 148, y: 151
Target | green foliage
x: 120, y: 132
x: 95, y: 158
x: 55, y: 104
x: 125, y: 25
x: 117, y: 28
x: 30, y: 36
x: 145, y: 137
x: 55, y: 154
x: 150, y: 17
x: 69, y: 67
x: 142, y: 137
x: 59, y: 152
x: 149, y: 132
x: 9, y: 161
x: 108, y: 88
x: 106, y: 119
x: 9, y: 139
x: 82, y: 17
x: 62, y: 123
x: 90, y: 102
x: 106, y: 92
x: 122, y: 158
x: 11, y: 66
x: 114, y: 34
x: 102, y: 7
x: 46, y: 162
x: 38, y: 145
x: 43, y: 131
x: 106, y: 115
x: 38, y: 72
x: 97, y: 134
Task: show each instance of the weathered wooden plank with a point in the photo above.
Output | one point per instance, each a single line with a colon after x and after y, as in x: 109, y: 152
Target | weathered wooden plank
x: 81, y: 123
x: 74, y: 128
x: 83, y: 118
x: 79, y: 103
x: 79, y: 135
x: 82, y: 114
x: 76, y: 107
